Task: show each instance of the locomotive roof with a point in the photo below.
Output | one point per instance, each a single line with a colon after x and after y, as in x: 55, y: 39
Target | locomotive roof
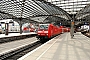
x: 44, y: 24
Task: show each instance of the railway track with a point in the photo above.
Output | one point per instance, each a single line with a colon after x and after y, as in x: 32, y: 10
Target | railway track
x: 14, y: 55
x: 86, y: 34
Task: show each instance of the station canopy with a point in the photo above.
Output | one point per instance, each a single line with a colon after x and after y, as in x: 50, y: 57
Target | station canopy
x: 84, y: 14
x: 31, y: 11
x: 79, y: 10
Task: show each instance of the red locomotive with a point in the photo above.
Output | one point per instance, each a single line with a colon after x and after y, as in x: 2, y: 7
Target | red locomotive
x: 46, y: 31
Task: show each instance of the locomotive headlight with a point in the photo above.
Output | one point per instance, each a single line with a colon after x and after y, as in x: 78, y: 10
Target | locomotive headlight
x: 47, y: 34
x: 45, y: 31
x: 39, y: 31
x: 38, y: 34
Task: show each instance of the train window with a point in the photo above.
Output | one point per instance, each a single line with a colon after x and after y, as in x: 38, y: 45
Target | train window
x: 43, y: 26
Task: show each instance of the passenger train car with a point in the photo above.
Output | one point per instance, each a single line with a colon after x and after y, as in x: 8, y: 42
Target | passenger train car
x: 13, y: 26
x: 28, y: 27
x: 64, y: 29
x: 46, y: 31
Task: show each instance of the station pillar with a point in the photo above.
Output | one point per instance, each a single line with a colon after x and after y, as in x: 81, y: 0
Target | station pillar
x: 89, y: 27
x: 6, y: 28
x: 72, y: 29
x: 21, y: 26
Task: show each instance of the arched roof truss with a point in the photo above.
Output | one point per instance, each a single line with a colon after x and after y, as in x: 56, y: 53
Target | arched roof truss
x: 84, y: 13
x: 30, y: 9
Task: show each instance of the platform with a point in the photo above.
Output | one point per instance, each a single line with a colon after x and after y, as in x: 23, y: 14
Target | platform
x: 15, y: 34
x: 62, y: 47
x: 11, y: 46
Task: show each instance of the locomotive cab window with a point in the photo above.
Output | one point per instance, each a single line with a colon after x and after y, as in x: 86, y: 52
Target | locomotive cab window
x: 43, y: 26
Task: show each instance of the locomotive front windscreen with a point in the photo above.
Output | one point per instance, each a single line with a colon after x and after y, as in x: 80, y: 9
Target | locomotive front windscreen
x: 44, y: 26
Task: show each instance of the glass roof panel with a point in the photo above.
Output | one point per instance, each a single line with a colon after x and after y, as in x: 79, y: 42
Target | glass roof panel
x: 37, y: 7
x: 69, y: 4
